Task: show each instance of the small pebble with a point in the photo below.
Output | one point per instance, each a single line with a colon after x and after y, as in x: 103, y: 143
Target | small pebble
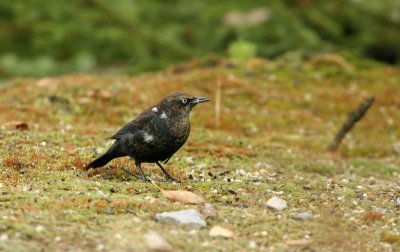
x: 242, y: 172
x: 193, y: 232
x: 155, y: 242
x: 276, y: 203
x: 190, y: 218
x: 359, y: 195
x: 39, y: 228
x: 380, y: 210
x: 304, y: 216
x: 100, y: 247
x: 208, y: 211
x: 4, y: 237
x: 202, y: 166
x: 190, y: 159
x: 220, y: 231
x: 252, y: 245
x: 261, y: 165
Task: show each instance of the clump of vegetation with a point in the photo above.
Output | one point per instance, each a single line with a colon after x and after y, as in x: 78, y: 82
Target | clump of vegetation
x: 242, y: 50
x: 147, y: 35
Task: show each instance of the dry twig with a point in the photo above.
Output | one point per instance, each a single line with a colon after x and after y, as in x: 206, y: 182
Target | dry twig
x: 353, y: 118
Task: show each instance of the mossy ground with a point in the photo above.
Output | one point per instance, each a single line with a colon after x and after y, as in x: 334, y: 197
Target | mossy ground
x: 276, y: 120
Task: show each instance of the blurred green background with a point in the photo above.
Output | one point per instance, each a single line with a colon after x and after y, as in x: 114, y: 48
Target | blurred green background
x: 44, y: 37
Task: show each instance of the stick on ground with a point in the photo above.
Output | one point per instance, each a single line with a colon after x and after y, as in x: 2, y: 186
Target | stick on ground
x: 353, y: 118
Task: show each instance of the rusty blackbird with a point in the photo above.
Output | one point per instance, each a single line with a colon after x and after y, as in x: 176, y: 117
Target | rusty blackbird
x: 155, y: 135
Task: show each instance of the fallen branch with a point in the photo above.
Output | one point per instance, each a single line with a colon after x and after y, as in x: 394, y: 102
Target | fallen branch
x: 353, y: 118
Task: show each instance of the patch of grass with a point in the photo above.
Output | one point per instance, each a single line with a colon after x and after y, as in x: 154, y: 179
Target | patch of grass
x: 275, y: 123
x: 367, y: 168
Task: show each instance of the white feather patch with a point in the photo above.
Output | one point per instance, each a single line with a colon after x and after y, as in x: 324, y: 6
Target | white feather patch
x: 163, y: 115
x: 147, y: 137
x: 155, y: 109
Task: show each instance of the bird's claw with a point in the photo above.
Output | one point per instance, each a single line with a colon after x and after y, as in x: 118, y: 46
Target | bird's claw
x: 132, y: 173
x: 146, y: 180
x: 172, y: 179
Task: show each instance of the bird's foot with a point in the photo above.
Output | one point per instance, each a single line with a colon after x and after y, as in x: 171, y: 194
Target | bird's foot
x: 145, y: 179
x: 138, y: 176
x: 132, y: 173
x: 172, y: 179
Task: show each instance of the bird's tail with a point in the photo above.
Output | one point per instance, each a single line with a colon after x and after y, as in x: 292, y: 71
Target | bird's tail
x: 112, y: 153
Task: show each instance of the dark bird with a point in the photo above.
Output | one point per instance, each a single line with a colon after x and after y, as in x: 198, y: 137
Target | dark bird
x: 155, y: 135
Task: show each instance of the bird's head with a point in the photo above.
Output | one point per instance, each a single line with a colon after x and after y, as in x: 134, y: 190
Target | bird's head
x: 182, y: 102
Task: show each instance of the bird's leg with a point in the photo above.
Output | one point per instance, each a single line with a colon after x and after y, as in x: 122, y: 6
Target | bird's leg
x: 166, y: 161
x: 141, y: 172
x: 169, y: 177
x: 131, y: 173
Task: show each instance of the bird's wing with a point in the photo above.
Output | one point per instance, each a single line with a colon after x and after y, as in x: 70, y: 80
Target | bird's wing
x: 134, y: 126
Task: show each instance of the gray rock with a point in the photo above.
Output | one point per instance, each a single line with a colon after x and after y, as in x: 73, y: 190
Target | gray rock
x: 381, y: 210
x: 189, y: 218
x: 276, y: 203
x: 304, y: 216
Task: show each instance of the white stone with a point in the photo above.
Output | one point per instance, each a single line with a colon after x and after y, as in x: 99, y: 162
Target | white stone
x: 190, y: 159
x: 308, y: 97
x: 39, y: 228
x: 100, y: 247
x: 220, y: 231
x: 155, y: 109
x: 252, y: 245
x: 242, y: 172
x: 202, y: 165
x: 304, y: 216
x: 276, y: 203
x: 4, y: 237
x: 155, y: 242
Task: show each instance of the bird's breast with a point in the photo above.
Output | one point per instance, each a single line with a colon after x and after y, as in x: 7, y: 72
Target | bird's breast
x: 174, y: 130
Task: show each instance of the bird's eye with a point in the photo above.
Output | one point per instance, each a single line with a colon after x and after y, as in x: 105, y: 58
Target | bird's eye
x: 184, y: 101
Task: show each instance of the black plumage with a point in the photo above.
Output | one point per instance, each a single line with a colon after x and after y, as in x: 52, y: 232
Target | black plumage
x: 155, y: 135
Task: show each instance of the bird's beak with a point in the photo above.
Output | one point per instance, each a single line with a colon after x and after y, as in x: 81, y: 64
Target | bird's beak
x: 199, y: 99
